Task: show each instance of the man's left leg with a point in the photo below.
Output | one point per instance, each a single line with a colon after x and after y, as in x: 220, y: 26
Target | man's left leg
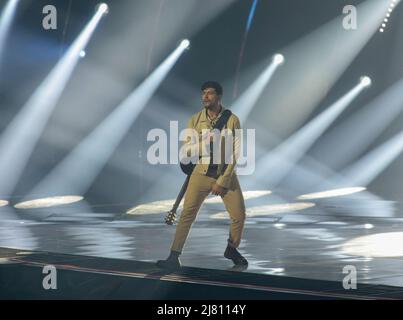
x: 235, y: 205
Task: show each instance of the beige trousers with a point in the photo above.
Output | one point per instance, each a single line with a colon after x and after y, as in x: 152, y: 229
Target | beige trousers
x: 198, y: 189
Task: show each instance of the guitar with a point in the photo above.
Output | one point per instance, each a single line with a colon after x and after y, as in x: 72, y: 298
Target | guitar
x: 171, y: 216
x: 188, y: 169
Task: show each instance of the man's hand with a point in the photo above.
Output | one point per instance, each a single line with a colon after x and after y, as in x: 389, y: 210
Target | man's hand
x: 217, y: 190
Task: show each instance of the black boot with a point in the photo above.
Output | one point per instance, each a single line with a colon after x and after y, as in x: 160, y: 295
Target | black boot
x: 233, y: 254
x: 171, y: 263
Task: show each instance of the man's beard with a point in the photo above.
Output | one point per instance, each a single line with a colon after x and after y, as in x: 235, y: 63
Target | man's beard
x: 209, y: 105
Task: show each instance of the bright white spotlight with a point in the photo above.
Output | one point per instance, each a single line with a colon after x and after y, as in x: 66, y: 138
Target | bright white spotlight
x: 156, y: 207
x: 16, y: 146
x: 366, y: 81
x: 103, y: 8
x: 48, y: 202
x: 244, y: 105
x: 279, y: 225
x: 6, y: 19
x: 3, y: 203
x: 309, y: 49
x: 185, y: 44
x: 368, y: 167
x: 268, y: 210
x: 276, y: 164
x: 105, y: 138
x: 331, y: 193
x: 247, y: 195
x: 278, y: 58
x: 380, y: 245
x: 162, y: 206
x: 82, y: 54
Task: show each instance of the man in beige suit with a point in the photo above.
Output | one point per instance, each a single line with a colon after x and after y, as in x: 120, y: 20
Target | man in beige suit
x: 207, y: 177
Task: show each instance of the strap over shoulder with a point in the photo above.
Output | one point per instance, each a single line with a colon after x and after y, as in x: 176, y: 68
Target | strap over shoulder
x: 223, y: 119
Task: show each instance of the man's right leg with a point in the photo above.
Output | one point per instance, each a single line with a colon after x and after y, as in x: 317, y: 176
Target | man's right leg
x: 198, y: 189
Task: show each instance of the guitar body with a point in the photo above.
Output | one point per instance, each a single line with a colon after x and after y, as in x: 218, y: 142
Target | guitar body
x: 187, y: 168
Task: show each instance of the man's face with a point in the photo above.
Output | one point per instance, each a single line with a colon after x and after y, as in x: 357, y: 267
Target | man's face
x: 210, y: 98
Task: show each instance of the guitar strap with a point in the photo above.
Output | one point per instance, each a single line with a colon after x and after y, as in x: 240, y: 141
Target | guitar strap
x: 222, y: 120
x: 212, y: 169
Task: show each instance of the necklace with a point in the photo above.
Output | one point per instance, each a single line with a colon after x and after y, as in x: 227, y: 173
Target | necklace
x: 216, y: 116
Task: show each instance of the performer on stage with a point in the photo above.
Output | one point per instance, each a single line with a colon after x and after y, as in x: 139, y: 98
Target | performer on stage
x: 218, y: 179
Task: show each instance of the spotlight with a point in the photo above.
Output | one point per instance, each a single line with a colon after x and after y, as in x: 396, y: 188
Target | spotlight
x: 37, y: 110
x: 114, y: 127
x: 48, y: 202
x: 3, y: 203
x: 7, y: 15
x: 82, y: 54
x: 185, y: 44
x: 103, y: 8
x: 378, y: 245
x: 278, y: 58
x: 279, y: 225
x: 331, y: 193
x: 271, y: 209
x: 366, y: 81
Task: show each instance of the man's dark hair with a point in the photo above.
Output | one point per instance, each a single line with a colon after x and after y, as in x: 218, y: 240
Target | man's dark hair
x: 213, y: 84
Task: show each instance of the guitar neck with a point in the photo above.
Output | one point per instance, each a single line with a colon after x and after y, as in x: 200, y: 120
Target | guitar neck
x: 181, y: 194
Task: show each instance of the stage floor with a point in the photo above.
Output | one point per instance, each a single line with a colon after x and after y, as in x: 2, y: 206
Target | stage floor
x: 314, y: 243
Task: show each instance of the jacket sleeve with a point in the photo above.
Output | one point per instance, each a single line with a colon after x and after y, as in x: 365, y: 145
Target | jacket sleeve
x: 224, y: 180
